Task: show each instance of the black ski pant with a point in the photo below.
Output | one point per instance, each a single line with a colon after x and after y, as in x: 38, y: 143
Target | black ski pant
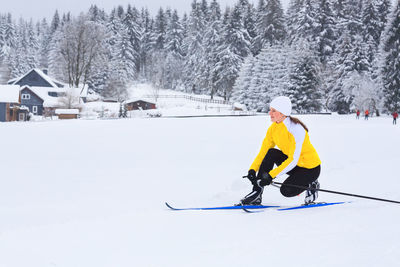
x: 297, y: 176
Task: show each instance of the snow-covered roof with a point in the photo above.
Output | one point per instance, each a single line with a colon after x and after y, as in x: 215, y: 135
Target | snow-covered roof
x: 12, y: 80
x: 47, y: 78
x: 130, y: 100
x: 9, y: 93
x: 43, y: 93
x: 51, y: 81
x: 67, y: 111
x: 52, y: 101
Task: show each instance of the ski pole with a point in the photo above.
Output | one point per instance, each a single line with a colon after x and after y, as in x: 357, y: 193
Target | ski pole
x: 336, y: 192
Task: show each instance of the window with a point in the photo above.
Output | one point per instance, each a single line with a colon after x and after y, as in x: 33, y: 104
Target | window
x: 26, y: 96
x: 34, y: 109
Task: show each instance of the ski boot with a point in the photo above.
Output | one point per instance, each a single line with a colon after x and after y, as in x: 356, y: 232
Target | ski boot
x: 255, y: 196
x: 312, y: 195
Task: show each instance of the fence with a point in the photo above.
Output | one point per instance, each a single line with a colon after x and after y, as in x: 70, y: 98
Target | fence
x: 192, y: 98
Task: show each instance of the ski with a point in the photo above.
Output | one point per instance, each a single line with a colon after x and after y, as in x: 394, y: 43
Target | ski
x: 313, y: 205
x: 233, y: 207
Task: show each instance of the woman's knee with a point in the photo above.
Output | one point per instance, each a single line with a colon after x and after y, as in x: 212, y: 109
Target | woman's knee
x: 275, y: 155
x: 288, y: 191
x: 273, y: 152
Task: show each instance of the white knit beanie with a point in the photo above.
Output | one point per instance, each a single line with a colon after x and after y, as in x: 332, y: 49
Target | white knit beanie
x: 282, y: 104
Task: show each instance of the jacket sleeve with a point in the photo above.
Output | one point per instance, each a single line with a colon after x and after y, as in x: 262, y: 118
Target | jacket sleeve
x: 267, y: 144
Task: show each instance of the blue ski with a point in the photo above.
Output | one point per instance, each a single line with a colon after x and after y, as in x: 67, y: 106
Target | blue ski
x: 247, y: 207
x: 312, y: 205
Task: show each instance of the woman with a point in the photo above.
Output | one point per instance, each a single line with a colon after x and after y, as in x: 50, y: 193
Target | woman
x: 295, y: 156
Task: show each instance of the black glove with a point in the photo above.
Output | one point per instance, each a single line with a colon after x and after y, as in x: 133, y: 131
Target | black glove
x: 266, y: 179
x: 251, y: 175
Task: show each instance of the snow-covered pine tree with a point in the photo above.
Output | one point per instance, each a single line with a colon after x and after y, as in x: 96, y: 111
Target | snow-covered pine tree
x: 23, y: 55
x: 270, y: 76
x: 339, y: 100
x: 174, y: 36
x: 205, y: 10
x: 324, y: 32
x: 97, y: 15
x: 270, y: 25
x: 131, y: 22
x: 193, y: 44
x: 301, y: 20
x: 174, y: 52
x: 391, y: 64
x: 211, y: 44
x: 215, y: 11
x: 2, y: 37
x: 32, y: 48
x: 8, y: 35
x: 371, y: 22
x: 123, y: 53
x: 274, y: 19
x: 235, y: 35
x: 120, y: 12
x: 353, y: 12
x: 257, y: 42
x: 248, y: 15
x: 350, y: 65
x: 146, y: 25
x: 44, y: 39
x: 102, y: 67
x: 55, y: 22
x: 235, y: 46
x: 8, y: 41
x: 384, y: 7
x: 292, y: 18
x: 341, y: 17
x: 159, y: 30
x: 304, y: 83
x: 241, y: 90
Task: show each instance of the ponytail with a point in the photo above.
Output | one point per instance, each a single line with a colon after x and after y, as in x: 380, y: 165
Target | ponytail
x: 297, y: 121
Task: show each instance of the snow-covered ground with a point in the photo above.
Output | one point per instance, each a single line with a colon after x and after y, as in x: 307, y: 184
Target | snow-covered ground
x: 91, y: 193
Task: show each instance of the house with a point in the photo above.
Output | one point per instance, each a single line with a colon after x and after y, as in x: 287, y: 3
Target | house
x: 37, y: 78
x: 139, y: 104
x: 41, y: 100
x: 10, y: 109
x: 41, y: 94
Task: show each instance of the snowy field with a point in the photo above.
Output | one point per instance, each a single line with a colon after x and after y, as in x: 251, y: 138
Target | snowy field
x: 91, y: 194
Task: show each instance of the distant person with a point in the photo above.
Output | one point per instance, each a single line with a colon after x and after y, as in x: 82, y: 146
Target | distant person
x: 358, y: 114
x: 294, y: 155
x: 395, y: 116
x: 366, y: 113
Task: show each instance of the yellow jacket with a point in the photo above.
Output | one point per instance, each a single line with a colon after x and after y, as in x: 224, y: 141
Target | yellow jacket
x: 293, y: 140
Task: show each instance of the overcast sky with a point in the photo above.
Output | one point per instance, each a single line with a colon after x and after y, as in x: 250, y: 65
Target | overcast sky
x: 38, y: 9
